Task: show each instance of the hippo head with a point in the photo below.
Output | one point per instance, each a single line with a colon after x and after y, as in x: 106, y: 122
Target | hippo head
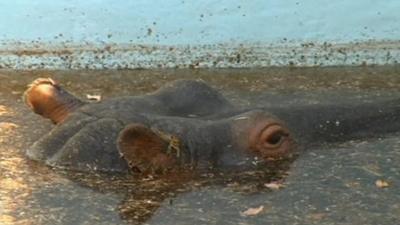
x: 185, y: 123
x: 240, y: 140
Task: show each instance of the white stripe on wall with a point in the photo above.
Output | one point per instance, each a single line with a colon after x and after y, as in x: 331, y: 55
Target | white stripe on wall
x: 180, y: 33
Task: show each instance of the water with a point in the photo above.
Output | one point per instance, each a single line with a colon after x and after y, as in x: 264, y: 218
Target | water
x: 333, y: 184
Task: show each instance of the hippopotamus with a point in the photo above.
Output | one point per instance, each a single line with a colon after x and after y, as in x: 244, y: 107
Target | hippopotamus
x: 189, y: 125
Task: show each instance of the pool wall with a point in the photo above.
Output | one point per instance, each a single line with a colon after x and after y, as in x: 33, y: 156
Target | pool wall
x: 106, y: 34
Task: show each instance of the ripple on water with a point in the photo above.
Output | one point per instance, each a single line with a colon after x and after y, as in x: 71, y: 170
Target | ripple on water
x: 328, y: 185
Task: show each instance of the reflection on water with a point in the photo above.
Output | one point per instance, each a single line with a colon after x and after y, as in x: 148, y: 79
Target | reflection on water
x: 328, y: 185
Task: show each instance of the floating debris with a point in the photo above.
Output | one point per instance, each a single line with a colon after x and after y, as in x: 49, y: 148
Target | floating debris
x: 275, y: 185
x: 7, y: 126
x: 382, y: 184
x: 252, y: 211
x: 3, y: 110
x: 317, y: 216
x: 96, y: 98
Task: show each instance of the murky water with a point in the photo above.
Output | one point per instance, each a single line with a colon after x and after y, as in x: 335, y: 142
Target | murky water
x: 335, y: 184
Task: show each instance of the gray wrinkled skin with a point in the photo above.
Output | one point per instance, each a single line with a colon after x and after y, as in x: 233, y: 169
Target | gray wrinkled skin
x: 203, y: 119
x: 87, y: 139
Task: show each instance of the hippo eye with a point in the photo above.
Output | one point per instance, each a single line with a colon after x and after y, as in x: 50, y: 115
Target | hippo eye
x: 273, y: 136
x: 271, y: 139
x: 276, y: 138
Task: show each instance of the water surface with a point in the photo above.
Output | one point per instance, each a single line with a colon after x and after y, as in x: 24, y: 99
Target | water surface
x: 333, y: 184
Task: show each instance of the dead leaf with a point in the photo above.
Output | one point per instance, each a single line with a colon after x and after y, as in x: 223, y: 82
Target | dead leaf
x: 352, y: 184
x: 275, y: 185
x: 317, y: 216
x: 3, y: 110
x: 7, y: 219
x: 94, y: 97
x: 382, y: 184
x: 12, y: 184
x: 16, y: 92
x: 252, y: 211
x: 7, y: 126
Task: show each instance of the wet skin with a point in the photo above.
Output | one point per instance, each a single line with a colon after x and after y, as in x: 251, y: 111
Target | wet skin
x: 187, y: 124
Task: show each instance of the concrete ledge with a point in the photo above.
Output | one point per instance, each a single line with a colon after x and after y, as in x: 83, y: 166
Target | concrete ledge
x: 26, y: 56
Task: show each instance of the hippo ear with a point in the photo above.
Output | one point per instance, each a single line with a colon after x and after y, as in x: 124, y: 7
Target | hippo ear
x: 143, y: 149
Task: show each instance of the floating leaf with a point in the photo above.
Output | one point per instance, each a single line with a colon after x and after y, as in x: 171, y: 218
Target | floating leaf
x: 317, y: 216
x: 274, y: 185
x: 381, y: 184
x: 7, y: 126
x: 252, y: 211
x: 94, y: 97
x: 3, y: 110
